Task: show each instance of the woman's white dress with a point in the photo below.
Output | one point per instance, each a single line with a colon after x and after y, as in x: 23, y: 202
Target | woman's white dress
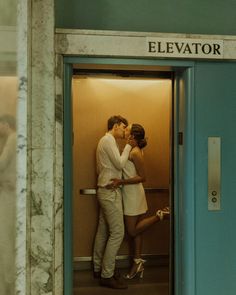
x: 134, y: 199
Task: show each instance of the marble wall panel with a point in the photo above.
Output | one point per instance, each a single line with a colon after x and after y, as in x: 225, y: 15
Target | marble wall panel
x: 58, y: 204
x: 41, y: 152
x: 23, y: 217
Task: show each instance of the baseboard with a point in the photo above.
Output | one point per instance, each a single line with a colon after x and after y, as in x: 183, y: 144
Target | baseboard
x: 122, y: 261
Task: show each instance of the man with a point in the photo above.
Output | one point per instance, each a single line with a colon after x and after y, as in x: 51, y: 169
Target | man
x: 110, y: 232
x: 8, y: 204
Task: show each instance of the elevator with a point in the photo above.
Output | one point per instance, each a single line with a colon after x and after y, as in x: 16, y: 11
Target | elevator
x: 145, y: 93
x: 141, y: 96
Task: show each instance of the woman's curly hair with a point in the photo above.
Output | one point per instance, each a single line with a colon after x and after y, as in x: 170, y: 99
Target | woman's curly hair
x: 138, y: 133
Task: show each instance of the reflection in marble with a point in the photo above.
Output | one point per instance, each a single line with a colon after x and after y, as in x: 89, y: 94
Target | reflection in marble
x: 8, y: 102
x: 8, y: 201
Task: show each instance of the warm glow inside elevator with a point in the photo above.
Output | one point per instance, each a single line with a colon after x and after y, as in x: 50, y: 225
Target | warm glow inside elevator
x: 144, y: 97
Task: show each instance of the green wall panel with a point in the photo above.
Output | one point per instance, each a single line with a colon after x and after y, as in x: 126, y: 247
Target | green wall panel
x: 173, y: 16
x: 215, y: 109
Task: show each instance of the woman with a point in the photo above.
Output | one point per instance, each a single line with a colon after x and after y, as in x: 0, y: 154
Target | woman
x: 134, y: 199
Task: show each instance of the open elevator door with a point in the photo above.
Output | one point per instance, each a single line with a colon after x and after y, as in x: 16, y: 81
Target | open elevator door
x: 143, y: 97
x: 181, y: 228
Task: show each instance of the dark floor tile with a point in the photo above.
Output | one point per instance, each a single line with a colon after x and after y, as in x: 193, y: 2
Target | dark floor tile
x: 145, y: 289
x: 154, y: 282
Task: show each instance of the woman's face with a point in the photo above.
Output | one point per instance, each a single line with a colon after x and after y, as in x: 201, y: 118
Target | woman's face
x: 127, y: 131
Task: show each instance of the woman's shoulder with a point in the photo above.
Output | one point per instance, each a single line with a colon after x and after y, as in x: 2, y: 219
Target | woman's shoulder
x: 136, y: 151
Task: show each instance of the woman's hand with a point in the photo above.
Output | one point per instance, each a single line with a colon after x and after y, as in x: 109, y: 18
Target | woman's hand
x: 131, y: 141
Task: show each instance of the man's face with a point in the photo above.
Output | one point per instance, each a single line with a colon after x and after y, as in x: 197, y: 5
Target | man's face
x: 127, y: 131
x: 119, y: 130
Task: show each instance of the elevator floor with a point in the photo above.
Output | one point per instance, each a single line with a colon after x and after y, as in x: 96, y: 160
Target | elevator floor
x: 154, y: 282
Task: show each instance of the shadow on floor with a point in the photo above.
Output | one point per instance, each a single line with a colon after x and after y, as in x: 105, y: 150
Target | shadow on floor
x: 154, y: 282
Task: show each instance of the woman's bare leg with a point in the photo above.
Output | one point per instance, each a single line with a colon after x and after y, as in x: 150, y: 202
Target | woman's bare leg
x: 138, y: 242
x: 135, y: 226
x: 130, y: 223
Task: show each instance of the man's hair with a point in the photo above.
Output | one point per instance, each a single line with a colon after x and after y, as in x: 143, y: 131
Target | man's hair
x: 116, y: 120
x: 9, y: 119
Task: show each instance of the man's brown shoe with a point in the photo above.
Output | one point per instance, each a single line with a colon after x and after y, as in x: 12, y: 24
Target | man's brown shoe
x: 97, y: 274
x: 113, y: 283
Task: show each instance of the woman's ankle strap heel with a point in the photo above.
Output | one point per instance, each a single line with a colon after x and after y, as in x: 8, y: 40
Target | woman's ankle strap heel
x: 139, y: 261
x: 163, y: 212
x: 139, y: 270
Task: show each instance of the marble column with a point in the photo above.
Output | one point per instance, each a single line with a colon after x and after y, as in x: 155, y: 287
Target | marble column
x: 39, y: 184
x: 22, y: 215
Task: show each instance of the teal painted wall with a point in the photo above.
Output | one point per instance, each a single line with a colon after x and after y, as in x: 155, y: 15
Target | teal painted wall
x: 173, y: 16
x: 215, y: 109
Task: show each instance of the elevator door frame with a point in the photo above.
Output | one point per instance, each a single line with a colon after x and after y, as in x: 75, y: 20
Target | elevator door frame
x: 183, y: 178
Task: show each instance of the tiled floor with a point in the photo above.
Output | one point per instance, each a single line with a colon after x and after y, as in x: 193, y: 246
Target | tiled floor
x: 154, y: 282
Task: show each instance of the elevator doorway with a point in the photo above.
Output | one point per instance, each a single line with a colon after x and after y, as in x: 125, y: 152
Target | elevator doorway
x: 142, y: 97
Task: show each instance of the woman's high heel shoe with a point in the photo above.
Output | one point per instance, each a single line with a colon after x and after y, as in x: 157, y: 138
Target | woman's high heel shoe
x: 163, y: 212
x: 139, y: 270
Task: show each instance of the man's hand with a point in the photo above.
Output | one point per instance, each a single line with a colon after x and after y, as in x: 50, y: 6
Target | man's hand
x: 115, y: 183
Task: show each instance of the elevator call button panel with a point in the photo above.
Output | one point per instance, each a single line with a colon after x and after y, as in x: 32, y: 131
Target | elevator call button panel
x: 214, y: 173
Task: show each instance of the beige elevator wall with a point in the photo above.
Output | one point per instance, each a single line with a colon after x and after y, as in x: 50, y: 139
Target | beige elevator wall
x: 144, y: 101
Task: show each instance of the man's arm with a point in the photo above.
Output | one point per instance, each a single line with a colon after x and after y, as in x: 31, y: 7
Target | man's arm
x: 137, y: 158
x: 119, y: 160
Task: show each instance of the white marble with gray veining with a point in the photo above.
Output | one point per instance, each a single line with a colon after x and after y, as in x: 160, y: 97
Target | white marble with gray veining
x: 42, y: 149
x: 22, y: 286
x: 36, y: 149
x: 58, y: 207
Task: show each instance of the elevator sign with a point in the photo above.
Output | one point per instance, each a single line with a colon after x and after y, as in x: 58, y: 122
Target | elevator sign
x: 184, y: 48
